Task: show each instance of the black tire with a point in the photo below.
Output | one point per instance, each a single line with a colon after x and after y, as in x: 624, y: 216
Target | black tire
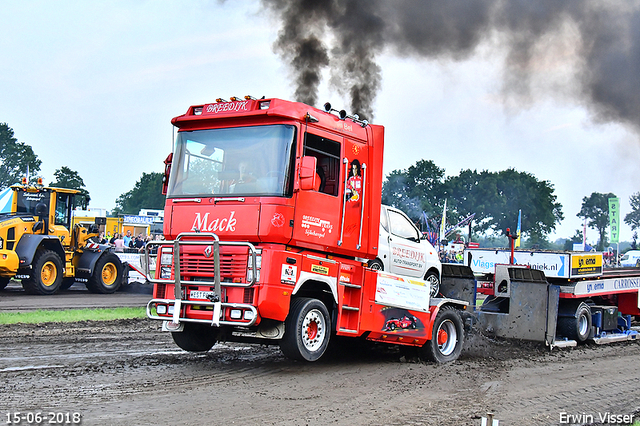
x: 577, y: 327
x: 67, y: 283
x: 307, y: 330
x: 46, y: 273
x: 107, y: 275
x: 392, y: 326
x: 196, y: 337
x: 447, y: 337
x: 434, y: 283
x: 376, y: 265
x: 4, y: 281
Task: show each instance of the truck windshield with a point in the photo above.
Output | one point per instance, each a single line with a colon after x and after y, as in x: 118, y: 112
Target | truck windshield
x: 253, y: 160
x: 34, y: 203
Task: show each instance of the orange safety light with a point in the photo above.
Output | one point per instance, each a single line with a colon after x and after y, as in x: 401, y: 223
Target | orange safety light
x: 24, y: 180
x: 220, y: 100
x: 39, y: 181
x: 234, y: 98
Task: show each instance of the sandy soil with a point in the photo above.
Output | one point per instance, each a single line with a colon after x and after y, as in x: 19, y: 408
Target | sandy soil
x: 131, y: 373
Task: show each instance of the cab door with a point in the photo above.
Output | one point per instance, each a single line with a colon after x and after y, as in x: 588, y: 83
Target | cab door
x: 406, y: 254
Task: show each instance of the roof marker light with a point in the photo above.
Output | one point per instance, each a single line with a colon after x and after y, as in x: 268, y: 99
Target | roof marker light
x: 221, y: 100
x: 250, y: 98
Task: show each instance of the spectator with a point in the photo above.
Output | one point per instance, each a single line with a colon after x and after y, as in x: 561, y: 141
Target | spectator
x: 127, y: 239
x: 119, y: 243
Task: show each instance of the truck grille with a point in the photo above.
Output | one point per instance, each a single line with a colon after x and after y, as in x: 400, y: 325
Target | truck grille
x: 233, y: 265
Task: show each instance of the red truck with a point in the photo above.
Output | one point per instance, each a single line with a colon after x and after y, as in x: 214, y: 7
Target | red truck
x: 272, y: 211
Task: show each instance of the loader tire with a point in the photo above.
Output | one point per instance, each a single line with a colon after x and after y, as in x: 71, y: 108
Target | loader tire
x: 107, y: 275
x: 307, y: 330
x: 196, y: 337
x: 577, y: 327
x: 46, y: 273
x: 447, y: 337
x: 4, y: 281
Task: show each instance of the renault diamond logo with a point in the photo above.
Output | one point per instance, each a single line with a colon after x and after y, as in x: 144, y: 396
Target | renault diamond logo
x: 208, y: 251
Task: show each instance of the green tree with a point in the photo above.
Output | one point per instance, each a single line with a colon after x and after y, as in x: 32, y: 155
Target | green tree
x: 147, y: 194
x: 67, y: 178
x: 15, y: 158
x: 496, y: 198
x: 415, y: 190
x: 596, y: 208
x: 633, y: 218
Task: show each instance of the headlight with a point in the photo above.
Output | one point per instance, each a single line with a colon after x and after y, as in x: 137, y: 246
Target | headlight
x: 161, y: 309
x: 258, y: 266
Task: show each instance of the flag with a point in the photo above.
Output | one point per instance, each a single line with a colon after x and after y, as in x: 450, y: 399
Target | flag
x: 519, y: 228
x: 614, y: 219
x: 444, y: 219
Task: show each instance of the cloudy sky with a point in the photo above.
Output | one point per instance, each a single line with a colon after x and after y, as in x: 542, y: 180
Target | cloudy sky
x: 94, y: 85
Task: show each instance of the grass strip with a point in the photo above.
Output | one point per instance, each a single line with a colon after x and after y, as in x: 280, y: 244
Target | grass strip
x: 71, y: 315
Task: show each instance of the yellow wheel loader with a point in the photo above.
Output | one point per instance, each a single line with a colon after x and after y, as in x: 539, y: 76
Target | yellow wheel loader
x: 39, y: 247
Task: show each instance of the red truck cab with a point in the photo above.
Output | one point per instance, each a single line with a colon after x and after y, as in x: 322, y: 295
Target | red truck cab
x: 272, y: 210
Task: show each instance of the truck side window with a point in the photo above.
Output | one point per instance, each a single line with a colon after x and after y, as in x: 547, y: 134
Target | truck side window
x: 62, y: 210
x: 383, y: 219
x: 328, y: 154
x: 402, y: 227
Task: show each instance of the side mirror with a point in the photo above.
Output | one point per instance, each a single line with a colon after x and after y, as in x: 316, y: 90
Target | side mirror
x: 167, y: 171
x: 308, y: 174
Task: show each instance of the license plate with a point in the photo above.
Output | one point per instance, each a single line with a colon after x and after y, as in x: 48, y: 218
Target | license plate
x: 198, y: 294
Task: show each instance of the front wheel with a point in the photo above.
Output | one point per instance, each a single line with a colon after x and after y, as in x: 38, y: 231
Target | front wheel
x: 46, y: 273
x: 307, y: 333
x: 447, y: 337
x: 196, y: 337
x: 107, y: 275
x: 434, y: 284
x: 376, y: 265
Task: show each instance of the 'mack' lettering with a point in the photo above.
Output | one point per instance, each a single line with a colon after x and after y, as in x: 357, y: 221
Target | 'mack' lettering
x: 221, y: 225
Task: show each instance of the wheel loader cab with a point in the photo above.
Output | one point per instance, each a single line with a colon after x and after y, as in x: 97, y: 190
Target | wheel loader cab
x: 61, y: 215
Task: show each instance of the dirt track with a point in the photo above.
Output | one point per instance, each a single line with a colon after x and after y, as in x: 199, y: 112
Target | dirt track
x: 130, y: 373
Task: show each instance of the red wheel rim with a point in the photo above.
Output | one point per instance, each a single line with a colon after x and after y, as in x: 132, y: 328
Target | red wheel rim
x: 312, y: 330
x: 443, y: 336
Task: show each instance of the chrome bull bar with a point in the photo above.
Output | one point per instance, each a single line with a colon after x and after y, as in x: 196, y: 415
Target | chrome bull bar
x: 215, y: 316
x: 207, y: 239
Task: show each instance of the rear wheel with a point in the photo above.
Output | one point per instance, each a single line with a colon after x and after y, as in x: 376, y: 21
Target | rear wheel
x: 46, y: 273
x: 107, y: 274
x: 447, y: 337
x: 196, y: 337
x: 578, y: 326
x: 307, y: 332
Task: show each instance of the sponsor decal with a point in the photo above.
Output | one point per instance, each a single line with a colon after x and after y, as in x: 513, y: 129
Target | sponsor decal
x: 278, y: 220
x: 407, y: 258
x: 320, y: 269
x: 288, y: 274
x: 586, y: 264
x: 227, y: 107
x: 316, y: 227
x: 202, y: 224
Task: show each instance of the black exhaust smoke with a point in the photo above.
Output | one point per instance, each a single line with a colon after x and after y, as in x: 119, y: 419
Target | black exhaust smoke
x: 601, y: 38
